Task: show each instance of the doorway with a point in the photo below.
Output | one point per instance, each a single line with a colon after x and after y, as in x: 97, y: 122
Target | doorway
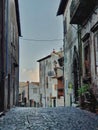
x: 76, y: 73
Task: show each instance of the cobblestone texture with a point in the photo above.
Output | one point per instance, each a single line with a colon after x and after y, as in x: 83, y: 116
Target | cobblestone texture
x: 48, y: 119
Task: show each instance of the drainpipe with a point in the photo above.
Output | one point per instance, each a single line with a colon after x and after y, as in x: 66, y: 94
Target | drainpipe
x: 44, y: 83
x: 80, y: 54
x: 7, y: 24
x: 64, y: 85
x: 28, y: 90
x: 2, y: 57
x: 63, y: 70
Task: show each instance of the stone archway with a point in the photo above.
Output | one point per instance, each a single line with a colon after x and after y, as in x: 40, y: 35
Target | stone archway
x: 76, y: 73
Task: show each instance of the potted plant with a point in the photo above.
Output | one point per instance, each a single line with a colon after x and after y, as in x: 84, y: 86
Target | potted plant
x: 82, y: 91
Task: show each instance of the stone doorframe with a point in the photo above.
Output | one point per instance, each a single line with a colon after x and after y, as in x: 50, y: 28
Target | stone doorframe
x: 75, y: 73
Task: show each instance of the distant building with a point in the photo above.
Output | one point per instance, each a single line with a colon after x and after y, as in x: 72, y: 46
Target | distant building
x: 29, y: 94
x: 59, y: 75
x: 23, y: 93
x: 9, y: 53
x: 50, y: 88
x: 34, y: 94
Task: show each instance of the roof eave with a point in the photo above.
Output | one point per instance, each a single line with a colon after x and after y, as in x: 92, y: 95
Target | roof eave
x: 18, y: 17
x: 62, y: 7
x: 44, y: 58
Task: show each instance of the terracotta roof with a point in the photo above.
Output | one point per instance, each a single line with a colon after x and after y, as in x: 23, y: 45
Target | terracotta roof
x: 22, y: 84
x: 35, y: 83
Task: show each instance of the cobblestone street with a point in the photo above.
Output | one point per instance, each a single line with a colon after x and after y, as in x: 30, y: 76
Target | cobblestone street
x: 48, y: 119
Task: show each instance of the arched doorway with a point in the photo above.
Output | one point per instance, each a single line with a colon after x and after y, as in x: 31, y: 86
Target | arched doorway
x: 76, y: 73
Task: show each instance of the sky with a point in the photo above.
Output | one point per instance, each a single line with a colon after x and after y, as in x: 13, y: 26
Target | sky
x: 39, y: 25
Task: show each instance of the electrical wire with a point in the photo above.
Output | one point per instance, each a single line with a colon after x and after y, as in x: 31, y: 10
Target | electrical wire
x: 41, y: 40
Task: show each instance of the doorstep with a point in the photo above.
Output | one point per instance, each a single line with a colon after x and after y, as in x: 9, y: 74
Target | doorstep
x: 2, y: 114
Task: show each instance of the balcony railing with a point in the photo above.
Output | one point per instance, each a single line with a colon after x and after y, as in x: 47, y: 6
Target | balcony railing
x: 60, y: 93
x: 80, y: 10
x: 51, y: 73
x: 58, y: 72
x: 61, y: 61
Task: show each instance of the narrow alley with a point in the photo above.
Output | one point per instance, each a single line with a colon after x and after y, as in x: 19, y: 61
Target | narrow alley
x: 49, y: 65
x: 60, y: 118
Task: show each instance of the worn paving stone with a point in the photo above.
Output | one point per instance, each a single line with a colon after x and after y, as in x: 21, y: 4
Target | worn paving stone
x: 60, y: 118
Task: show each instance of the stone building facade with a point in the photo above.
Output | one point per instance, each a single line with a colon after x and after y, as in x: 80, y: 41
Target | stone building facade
x: 34, y: 94
x: 71, y: 73
x: 80, y: 46
x: 9, y: 53
x: 51, y: 80
x: 48, y: 93
x: 23, y: 93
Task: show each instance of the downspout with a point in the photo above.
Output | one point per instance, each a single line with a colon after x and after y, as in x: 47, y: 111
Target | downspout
x: 7, y: 24
x: 80, y: 54
x: 2, y: 57
x: 28, y: 91
x: 44, y: 84
x: 63, y: 70
x: 17, y: 95
x: 64, y: 60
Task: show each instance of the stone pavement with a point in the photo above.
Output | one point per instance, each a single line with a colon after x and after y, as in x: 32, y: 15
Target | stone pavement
x: 59, y: 118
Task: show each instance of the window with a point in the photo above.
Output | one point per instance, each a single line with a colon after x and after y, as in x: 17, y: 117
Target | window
x: 34, y: 90
x: 47, y: 82
x: 20, y: 97
x: 47, y: 98
x: 70, y: 55
x: 65, y: 26
x: 87, y: 58
x: 40, y: 97
x: 11, y: 32
x: 55, y: 87
x: 96, y: 52
x: 50, y: 95
x: 46, y: 62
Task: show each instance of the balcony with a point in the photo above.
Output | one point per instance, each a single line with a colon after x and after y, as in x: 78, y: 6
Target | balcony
x: 60, y: 92
x: 51, y: 74
x: 60, y: 88
x: 80, y: 10
x: 58, y: 72
x: 61, y: 61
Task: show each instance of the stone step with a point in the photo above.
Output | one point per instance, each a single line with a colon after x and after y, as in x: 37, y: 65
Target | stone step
x: 1, y: 114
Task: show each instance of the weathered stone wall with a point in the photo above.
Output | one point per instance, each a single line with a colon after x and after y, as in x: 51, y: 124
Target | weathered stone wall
x: 1, y: 58
x: 93, y: 19
x: 70, y: 40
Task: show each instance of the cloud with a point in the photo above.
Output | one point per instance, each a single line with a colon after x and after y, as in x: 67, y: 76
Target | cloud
x: 29, y: 74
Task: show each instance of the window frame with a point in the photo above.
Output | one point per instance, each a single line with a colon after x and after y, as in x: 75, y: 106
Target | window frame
x: 95, y: 35
x: 87, y: 43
